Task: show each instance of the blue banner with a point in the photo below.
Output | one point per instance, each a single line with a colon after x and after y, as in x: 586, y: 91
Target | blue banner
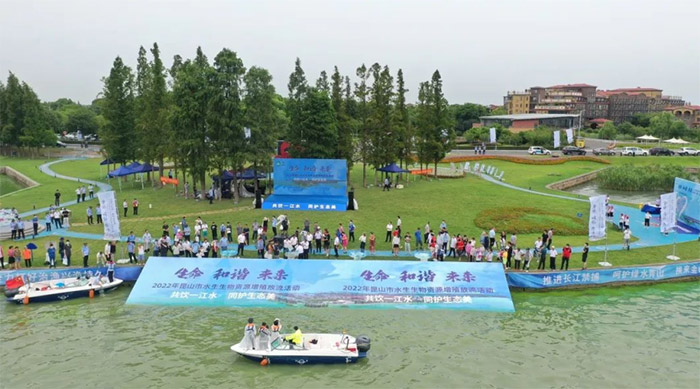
x: 309, y: 184
x: 126, y: 273
x: 603, y: 276
x: 322, y: 283
x: 688, y: 204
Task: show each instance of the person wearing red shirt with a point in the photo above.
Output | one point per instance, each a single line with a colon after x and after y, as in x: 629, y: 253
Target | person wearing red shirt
x: 565, y: 255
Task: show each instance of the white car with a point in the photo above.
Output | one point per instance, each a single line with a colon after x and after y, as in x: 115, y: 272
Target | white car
x: 538, y: 150
x: 688, y: 151
x: 633, y: 151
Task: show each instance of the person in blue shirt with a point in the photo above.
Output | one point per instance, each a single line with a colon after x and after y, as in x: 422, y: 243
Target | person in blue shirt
x: 110, y: 269
x: 351, y: 230
x: 35, y: 224
x: 86, y: 254
x: 20, y: 229
x: 130, y: 249
x: 52, y: 255
x: 131, y: 238
x: 419, y: 239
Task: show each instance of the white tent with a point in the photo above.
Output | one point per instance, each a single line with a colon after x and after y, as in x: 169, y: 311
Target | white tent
x: 675, y: 141
x: 682, y: 142
x: 647, y: 138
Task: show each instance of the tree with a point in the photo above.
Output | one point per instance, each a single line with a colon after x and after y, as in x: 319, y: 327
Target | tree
x: 82, y: 119
x: 119, y: 134
x: 608, y: 131
x: 154, y: 121
x: 344, y: 149
x: 297, y: 88
x: 362, y: 111
x: 381, y: 131
x: 322, y: 82
x: 225, y: 113
x: 261, y: 116
x: 434, y: 124
x: 318, y: 127
x: 402, y: 122
x: 665, y: 125
x: 465, y: 115
x: 191, y: 103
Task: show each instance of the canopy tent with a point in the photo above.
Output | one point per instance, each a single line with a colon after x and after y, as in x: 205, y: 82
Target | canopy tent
x: 132, y: 168
x: 647, y: 138
x: 392, y: 168
x: 107, y: 161
x: 120, y: 172
x: 227, y: 177
x: 675, y: 141
x: 145, y: 168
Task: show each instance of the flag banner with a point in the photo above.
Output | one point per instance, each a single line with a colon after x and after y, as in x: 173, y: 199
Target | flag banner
x: 557, y: 140
x: 668, y: 212
x: 492, y: 135
x: 110, y: 215
x: 596, y: 218
x: 569, y: 135
x: 687, y: 205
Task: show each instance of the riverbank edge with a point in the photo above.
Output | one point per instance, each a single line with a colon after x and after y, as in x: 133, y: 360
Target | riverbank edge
x: 130, y: 275
x: 14, y: 174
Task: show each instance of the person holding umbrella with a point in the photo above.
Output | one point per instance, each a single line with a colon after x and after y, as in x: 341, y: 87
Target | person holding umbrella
x: 28, y: 254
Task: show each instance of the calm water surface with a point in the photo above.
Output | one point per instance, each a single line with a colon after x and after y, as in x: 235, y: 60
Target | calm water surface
x: 646, y: 336
x: 591, y: 188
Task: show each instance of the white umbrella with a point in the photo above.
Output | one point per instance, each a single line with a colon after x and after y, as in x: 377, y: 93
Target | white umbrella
x: 672, y: 141
x: 681, y: 141
x: 647, y: 137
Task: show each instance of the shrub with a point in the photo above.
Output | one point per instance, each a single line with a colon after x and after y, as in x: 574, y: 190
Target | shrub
x: 529, y: 221
x: 629, y: 177
x: 525, y: 160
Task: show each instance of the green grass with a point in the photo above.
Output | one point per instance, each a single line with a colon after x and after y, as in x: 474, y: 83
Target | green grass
x: 40, y: 196
x: 458, y: 201
x: 8, y: 185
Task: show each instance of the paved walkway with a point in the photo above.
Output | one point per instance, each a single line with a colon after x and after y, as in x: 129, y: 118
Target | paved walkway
x: 46, y: 169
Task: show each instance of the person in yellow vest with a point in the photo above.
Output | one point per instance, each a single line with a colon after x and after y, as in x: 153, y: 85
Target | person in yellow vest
x: 295, y: 339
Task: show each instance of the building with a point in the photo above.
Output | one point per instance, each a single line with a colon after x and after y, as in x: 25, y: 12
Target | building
x: 690, y: 114
x: 617, y: 105
x: 517, y: 102
x: 528, y: 121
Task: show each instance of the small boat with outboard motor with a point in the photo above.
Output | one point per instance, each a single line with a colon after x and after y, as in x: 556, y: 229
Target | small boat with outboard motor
x: 313, y: 349
x: 17, y: 291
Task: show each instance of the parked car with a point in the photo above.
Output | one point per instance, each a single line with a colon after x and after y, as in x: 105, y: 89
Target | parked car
x: 660, y: 151
x: 538, y: 150
x: 573, y: 150
x: 633, y: 151
x: 688, y: 151
x: 603, y: 151
x: 60, y: 144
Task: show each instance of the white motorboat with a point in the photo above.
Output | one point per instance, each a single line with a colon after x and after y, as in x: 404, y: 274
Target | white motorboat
x: 315, y: 349
x: 61, y: 289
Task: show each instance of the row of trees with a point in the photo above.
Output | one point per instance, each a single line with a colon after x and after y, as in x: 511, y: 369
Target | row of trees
x: 24, y: 121
x: 661, y: 125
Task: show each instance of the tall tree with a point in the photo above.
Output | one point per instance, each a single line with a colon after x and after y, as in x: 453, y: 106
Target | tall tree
x: 153, y: 120
x: 191, y: 102
x: 401, y: 121
x: 119, y: 134
x: 225, y: 115
x: 381, y: 134
x: 345, y: 147
x: 322, y: 82
x: 435, y: 126
x: 317, y: 126
x: 362, y: 117
x: 261, y: 116
x: 297, y: 88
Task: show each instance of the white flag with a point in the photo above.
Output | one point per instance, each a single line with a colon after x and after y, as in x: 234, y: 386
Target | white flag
x: 668, y: 212
x: 110, y: 216
x: 246, y: 131
x: 557, y: 141
x: 492, y: 135
x: 596, y: 218
x: 569, y: 135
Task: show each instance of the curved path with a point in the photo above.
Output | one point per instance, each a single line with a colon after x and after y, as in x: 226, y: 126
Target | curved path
x: 647, y: 237
x: 46, y: 169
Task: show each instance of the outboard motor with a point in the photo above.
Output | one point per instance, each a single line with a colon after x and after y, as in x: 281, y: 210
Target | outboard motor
x: 11, y: 292
x: 363, y: 343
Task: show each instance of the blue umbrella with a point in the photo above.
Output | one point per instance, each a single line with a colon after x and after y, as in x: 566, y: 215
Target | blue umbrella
x: 32, y: 246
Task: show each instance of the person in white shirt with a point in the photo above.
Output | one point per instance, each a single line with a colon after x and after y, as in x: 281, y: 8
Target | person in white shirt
x: 363, y: 242
x: 147, y: 238
x: 108, y: 247
x: 627, y: 235
x: 453, y: 247
x: 336, y: 245
x: 553, y: 258
x: 395, y: 242
x: 241, y: 244
x: 389, y: 230
x: 398, y: 224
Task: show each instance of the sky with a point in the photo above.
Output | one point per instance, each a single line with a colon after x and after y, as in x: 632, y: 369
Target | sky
x: 482, y: 48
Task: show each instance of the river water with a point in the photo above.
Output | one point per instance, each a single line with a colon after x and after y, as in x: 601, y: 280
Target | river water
x: 642, y: 336
x: 591, y: 188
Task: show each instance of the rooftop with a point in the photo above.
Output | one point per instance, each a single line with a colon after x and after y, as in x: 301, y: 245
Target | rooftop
x: 571, y: 86
x: 690, y: 107
x: 530, y: 116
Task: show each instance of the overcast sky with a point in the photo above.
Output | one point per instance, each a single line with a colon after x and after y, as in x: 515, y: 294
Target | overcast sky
x: 482, y: 48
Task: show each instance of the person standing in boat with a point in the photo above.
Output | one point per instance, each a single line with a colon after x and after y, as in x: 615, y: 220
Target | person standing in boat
x: 110, y: 269
x: 275, y: 330
x: 264, y: 337
x: 248, y: 341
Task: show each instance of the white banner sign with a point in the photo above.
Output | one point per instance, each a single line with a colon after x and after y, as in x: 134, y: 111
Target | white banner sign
x: 569, y: 135
x: 492, y: 135
x: 596, y: 219
x: 557, y: 140
x: 110, y: 216
x: 668, y: 212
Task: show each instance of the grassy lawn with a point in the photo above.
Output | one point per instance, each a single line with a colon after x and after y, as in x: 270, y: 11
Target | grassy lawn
x: 8, y: 185
x: 458, y: 201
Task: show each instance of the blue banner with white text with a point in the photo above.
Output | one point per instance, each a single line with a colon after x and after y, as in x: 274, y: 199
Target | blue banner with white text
x: 603, y: 276
x: 322, y: 283
x: 309, y: 185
